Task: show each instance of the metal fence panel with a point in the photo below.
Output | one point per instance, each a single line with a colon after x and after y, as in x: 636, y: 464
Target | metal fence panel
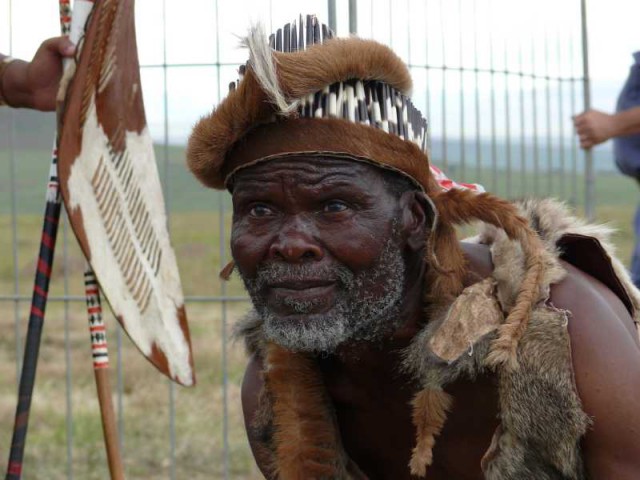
x: 497, y: 82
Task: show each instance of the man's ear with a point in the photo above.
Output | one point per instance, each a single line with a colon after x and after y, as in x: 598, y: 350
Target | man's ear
x: 417, y: 218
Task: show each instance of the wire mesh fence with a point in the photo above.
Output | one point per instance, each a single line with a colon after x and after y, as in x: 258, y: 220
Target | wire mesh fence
x: 497, y: 80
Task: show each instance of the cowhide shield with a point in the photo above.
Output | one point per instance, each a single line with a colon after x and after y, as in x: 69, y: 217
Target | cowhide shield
x: 112, y: 192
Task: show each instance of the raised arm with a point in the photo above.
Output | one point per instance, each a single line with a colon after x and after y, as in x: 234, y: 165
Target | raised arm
x: 34, y: 84
x: 606, y: 358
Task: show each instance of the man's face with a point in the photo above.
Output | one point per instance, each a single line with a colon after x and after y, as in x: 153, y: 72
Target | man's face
x: 315, y: 243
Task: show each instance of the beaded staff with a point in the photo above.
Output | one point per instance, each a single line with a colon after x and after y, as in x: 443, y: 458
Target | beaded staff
x: 36, y: 321
x: 39, y: 298
x: 100, y: 354
x: 97, y: 329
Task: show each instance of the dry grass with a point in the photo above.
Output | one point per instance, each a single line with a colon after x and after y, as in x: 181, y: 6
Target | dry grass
x: 199, y: 414
x: 145, y: 400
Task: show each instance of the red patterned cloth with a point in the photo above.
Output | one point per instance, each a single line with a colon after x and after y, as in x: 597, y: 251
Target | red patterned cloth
x: 447, y: 184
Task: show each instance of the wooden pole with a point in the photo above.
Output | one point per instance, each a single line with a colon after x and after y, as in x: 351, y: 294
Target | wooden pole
x: 100, y: 353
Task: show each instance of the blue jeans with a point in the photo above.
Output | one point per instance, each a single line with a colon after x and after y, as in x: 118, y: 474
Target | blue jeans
x: 635, y: 259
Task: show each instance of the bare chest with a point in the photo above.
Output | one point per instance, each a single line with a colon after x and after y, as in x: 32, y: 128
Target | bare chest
x: 378, y: 434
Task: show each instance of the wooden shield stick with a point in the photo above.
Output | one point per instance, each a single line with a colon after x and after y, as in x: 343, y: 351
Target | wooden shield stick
x: 100, y: 354
x: 98, y: 330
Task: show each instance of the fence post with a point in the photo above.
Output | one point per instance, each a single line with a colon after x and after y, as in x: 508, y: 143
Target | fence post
x: 353, y: 16
x: 331, y: 7
x: 589, y: 201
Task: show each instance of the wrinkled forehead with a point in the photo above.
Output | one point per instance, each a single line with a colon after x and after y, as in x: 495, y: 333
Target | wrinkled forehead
x: 313, y: 168
x: 309, y: 161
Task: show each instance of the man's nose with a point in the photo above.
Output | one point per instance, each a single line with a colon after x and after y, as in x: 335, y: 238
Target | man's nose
x: 295, y: 243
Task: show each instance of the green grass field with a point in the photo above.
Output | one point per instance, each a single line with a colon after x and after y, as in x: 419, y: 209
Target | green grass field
x: 195, y: 220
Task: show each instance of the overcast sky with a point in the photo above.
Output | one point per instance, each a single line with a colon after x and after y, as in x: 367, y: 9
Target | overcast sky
x: 454, y: 32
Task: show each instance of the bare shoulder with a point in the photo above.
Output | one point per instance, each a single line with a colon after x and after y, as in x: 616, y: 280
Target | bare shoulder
x: 606, y: 361
x: 252, y: 395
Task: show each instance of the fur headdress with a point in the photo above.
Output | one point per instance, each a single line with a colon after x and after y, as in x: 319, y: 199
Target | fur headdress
x: 305, y: 92
x: 336, y: 83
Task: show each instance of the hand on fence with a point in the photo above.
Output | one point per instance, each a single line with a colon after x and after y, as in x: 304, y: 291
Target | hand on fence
x: 35, y: 84
x: 594, y: 127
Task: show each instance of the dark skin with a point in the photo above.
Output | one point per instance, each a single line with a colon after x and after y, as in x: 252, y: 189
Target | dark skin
x: 34, y: 84
x: 300, y: 210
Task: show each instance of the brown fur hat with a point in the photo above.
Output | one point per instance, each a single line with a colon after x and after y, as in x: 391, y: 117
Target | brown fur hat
x: 276, y: 85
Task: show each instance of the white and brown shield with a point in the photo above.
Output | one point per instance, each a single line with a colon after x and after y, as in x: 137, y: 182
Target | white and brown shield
x: 112, y: 192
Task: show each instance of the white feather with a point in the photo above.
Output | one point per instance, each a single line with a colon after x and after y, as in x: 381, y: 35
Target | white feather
x: 262, y: 62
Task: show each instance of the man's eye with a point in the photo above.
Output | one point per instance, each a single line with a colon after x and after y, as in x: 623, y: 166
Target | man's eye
x: 335, y: 206
x: 260, y: 210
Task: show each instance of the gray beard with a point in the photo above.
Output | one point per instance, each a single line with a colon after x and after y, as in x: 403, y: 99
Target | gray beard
x: 358, y: 314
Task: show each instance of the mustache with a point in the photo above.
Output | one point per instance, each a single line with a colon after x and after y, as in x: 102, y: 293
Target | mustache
x: 274, y: 272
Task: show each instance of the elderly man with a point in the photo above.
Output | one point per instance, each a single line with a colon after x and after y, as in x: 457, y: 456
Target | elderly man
x: 381, y: 346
